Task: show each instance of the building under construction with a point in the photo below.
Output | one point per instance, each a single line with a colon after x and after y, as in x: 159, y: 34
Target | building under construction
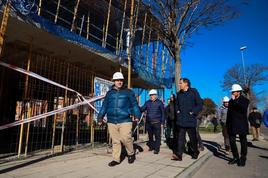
x: 78, y: 44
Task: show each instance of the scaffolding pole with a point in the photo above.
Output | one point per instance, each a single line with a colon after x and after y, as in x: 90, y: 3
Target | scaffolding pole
x: 77, y: 130
x: 4, y: 25
x: 75, y: 14
x: 64, y: 114
x: 26, y: 95
x: 91, y: 114
x: 107, y: 24
x: 137, y: 14
x: 103, y: 31
x: 143, y: 34
x: 122, y: 28
x: 57, y: 11
x: 88, y: 24
x: 39, y: 7
x: 130, y: 45
x: 117, y: 45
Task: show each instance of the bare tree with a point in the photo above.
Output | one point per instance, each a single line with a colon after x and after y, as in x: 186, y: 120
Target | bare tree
x: 179, y: 19
x: 256, y: 74
x: 209, y: 108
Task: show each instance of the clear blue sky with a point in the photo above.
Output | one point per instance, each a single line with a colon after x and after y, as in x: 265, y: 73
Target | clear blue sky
x: 216, y: 50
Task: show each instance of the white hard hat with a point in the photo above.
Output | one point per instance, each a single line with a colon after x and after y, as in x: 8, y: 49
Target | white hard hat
x: 225, y: 99
x: 118, y: 76
x: 236, y: 87
x: 153, y: 92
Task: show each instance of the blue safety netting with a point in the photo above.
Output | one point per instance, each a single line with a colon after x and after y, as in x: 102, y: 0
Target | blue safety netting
x: 154, y: 63
x: 156, y: 71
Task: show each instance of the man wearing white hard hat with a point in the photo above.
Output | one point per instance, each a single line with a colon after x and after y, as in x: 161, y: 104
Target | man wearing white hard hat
x: 237, y: 124
x: 155, y: 118
x: 222, y: 115
x: 119, y: 104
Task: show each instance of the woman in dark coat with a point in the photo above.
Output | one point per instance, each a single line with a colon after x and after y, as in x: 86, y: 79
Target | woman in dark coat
x: 171, y: 130
x: 237, y: 124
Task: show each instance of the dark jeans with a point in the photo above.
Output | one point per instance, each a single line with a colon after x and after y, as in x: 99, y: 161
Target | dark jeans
x: 172, y: 141
x: 199, y: 140
x: 191, y: 131
x: 154, y: 130
x: 244, y: 147
x: 170, y: 129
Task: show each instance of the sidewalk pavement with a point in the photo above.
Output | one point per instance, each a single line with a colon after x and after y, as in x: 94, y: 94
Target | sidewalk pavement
x: 94, y: 163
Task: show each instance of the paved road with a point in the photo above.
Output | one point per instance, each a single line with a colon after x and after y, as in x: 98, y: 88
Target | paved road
x: 217, y: 167
x: 93, y: 163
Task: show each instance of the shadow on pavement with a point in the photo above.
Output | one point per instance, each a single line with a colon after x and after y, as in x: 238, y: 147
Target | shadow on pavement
x: 216, y: 149
x: 32, y: 162
x: 24, y: 164
x: 266, y: 157
x: 250, y: 144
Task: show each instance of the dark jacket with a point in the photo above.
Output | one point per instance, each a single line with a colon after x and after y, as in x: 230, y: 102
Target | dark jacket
x: 119, y: 105
x: 188, y: 106
x: 255, y: 119
x: 237, y: 122
x: 155, y: 111
x: 170, y: 113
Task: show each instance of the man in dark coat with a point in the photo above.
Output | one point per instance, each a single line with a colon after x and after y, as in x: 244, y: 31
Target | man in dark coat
x: 237, y: 124
x: 188, y: 106
x: 254, y: 119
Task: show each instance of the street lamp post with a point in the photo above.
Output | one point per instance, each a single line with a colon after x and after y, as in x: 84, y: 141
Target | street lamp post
x: 243, y: 63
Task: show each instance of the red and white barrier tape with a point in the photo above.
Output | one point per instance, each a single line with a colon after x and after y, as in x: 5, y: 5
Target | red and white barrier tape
x: 34, y: 118
x: 34, y: 75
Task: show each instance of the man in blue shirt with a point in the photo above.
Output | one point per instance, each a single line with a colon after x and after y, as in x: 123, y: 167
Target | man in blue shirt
x: 155, y: 119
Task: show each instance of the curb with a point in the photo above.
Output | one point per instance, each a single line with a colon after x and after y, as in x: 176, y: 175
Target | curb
x: 195, y: 166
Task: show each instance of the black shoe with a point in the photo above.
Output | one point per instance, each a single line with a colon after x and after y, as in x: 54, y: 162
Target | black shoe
x: 176, y: 157
x: 242, y: 162
x: 131, y: 159
x: 156, y: 151
x: 201, y: 148
x: 113, y: 163
x: 234, y: 161
x: 150, y: 149
x: 195, y: 155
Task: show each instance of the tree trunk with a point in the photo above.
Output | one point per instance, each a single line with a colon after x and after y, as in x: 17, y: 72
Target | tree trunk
x: 177, y: 68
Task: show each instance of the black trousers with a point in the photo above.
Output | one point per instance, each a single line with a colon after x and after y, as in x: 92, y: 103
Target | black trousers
x: 191, y: 131
x: 154, y: 134
x: 199, y: 139
x: 244, y: 147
